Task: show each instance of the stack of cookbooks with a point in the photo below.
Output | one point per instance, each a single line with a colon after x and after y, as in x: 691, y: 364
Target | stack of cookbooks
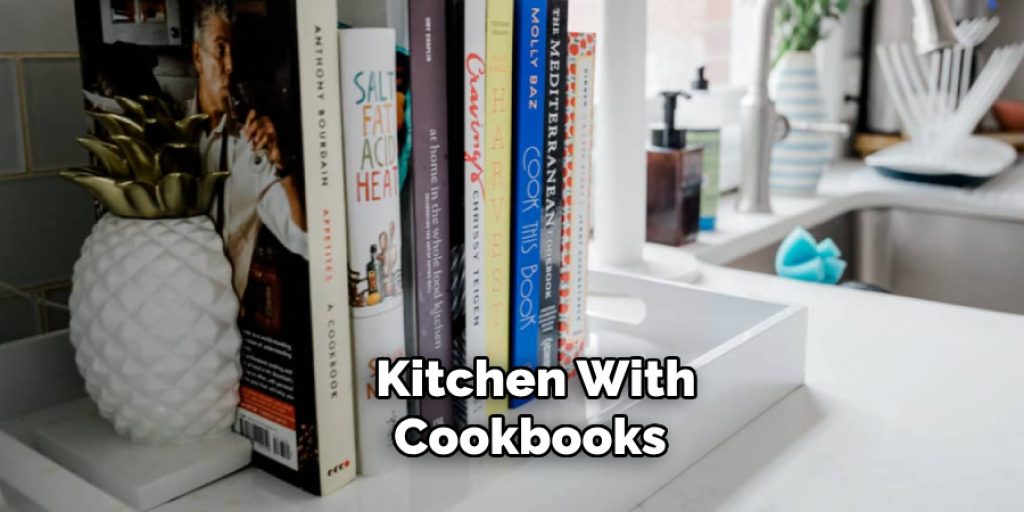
x: 495, y: 107
x: 407, y: 177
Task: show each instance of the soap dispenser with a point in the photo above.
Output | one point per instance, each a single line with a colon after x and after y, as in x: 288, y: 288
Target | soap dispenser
x: 674, y: 175
x: 703, y: 124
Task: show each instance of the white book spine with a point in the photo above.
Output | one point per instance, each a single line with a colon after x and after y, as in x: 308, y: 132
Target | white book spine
x: 325, y: 192
x: 370, y: 126
x: 576, y: 201
x: 475, y: 33
x: 583, y: 141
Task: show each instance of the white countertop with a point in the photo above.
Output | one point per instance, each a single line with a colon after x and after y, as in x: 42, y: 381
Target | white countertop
x: 907, y: 405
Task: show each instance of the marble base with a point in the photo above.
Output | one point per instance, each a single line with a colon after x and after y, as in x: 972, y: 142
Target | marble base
x: 142, y: 476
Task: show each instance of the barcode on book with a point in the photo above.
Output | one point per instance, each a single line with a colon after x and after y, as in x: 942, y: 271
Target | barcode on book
x: 281, y: 448
x: 268, y: 438
x: 258, y: 434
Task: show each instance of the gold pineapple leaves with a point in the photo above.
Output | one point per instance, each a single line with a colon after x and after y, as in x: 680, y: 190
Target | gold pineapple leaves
x: 149, y: 165
x: 108, y: 155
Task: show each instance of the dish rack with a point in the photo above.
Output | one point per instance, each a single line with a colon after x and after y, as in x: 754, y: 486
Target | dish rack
x: 748, y: 354
x: 940, y: 106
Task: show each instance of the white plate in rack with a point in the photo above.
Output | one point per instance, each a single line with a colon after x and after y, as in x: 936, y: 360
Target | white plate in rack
x: 973, y: 157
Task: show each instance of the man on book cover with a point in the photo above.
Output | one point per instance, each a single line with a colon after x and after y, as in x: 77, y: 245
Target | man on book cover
x: 212, y: 75
x: 255, y: 194
x: 237, y: 62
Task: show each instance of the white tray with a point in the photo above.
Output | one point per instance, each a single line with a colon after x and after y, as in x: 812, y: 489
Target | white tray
x: 748, y: 354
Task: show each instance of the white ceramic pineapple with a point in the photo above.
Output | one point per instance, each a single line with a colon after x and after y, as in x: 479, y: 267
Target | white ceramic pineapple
x: 153, y: 312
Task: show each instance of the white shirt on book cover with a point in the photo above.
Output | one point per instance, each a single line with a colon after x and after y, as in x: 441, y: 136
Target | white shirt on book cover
x: 253, y: 197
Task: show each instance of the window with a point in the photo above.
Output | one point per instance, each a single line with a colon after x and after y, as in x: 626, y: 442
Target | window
x: 681, y: 35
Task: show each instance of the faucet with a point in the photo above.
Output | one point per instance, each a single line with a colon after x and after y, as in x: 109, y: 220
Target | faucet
x: 757, y: 112
x: 761, y: 125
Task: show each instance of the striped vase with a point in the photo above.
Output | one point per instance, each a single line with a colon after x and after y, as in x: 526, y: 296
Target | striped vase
x: 799, y: 160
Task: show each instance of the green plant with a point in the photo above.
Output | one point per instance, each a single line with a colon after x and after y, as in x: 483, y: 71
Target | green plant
x: 800, y: 24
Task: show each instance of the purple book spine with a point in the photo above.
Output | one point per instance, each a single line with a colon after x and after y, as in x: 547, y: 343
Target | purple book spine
x: 429, y: 167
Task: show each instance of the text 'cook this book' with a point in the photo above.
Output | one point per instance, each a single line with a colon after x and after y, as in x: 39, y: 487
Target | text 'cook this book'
x: 528, y: 176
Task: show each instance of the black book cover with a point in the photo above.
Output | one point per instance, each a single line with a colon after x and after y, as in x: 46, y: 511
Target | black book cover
x: 246, y: 65
x: 554, y: 146
x: 456, y: 191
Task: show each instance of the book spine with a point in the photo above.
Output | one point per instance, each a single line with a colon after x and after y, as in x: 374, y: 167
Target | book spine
x: 474, y: 125
x: 551, y: 233
x: 456, y: 192
x: 528, y: 149
x: 370, y: 143
x: 498, y: 185
x: 577, y: 182
x: 325, y: 192
x: 429, y: 167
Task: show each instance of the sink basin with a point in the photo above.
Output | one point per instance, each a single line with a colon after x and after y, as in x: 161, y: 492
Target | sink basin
x: 959, y: 258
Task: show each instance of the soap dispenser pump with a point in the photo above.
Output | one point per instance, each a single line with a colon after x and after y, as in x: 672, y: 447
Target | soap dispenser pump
x: 673, y: 180
x: 669, y: 136
x: 701, y: 82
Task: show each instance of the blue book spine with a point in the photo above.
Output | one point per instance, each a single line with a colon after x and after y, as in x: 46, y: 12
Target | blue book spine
x: 529, y: 65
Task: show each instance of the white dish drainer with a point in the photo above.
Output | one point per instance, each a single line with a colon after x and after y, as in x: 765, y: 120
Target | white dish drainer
x: 940, y: 106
